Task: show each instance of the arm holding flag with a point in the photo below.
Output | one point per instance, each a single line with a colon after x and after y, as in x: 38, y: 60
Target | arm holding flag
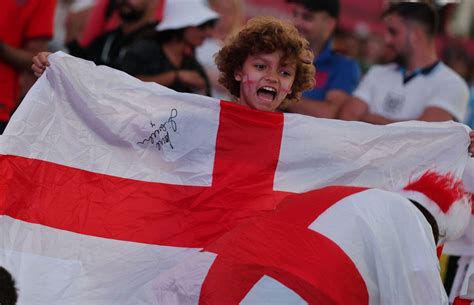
x: 113, y: 184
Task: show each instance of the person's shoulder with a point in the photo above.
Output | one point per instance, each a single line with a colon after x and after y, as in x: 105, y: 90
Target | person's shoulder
x: 446, y: 74
x: 383, y: 203
x: 342, y: 59
x: 386, y: 202
x: 389, y: 195
x: 341, y: 62
x: 383, y: 69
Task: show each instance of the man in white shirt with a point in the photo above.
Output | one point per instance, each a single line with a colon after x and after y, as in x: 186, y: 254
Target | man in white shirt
x: 418, y: 86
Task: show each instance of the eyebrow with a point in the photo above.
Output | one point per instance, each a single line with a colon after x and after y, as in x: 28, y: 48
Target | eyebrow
x: 287, y: 63
x: 259, y: 57
x: 283, y: 62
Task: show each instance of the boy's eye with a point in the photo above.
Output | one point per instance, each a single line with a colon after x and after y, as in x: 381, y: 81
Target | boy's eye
x: 285, y: 73
x: 259, y: 66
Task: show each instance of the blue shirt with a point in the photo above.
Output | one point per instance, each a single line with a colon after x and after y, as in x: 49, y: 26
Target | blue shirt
x: 333, y: 72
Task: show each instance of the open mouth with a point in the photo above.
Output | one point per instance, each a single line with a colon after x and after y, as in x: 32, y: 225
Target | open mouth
x: 267, y: 93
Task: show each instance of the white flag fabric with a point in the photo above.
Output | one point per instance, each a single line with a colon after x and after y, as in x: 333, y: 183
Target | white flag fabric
x: 110, y: 186
x: 388, y: 255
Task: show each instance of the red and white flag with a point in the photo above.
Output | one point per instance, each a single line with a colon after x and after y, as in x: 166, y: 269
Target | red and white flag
x: 110, y: 186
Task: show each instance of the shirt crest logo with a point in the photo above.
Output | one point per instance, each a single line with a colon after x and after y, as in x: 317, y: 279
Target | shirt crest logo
x: 393, y: 103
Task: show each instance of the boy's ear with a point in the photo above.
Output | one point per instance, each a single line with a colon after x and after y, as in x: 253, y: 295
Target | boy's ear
x: 238, y: 76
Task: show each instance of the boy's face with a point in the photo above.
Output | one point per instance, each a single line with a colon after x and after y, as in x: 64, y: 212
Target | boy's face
x: 265, y: 80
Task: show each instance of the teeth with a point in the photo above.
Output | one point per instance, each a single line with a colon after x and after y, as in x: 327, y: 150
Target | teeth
x: 269, y: 89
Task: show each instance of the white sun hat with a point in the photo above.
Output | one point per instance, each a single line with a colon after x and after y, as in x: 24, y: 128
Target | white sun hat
x: 180, y: 14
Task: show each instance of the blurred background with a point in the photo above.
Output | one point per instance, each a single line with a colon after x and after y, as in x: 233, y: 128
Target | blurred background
x: 359, y: 34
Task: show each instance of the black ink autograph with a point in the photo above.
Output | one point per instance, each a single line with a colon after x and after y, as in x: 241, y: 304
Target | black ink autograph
x: 161, y: 135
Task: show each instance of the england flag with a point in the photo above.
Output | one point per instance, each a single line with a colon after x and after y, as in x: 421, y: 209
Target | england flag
x: 116, y: 191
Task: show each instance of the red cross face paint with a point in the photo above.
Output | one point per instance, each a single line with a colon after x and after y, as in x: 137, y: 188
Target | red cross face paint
x: 265, y: 81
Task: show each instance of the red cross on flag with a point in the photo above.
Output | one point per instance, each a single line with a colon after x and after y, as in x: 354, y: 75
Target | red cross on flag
x: 111, y: 187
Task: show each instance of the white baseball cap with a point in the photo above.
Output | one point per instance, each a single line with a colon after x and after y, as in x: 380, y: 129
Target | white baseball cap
x: 180, y: 14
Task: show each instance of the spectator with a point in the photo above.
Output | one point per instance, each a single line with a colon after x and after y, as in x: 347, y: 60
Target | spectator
x: 104, y: 18
x: 418, y: 86
x: 169, y: 59
x: 390, y: 237
x: 110, y: 48
x: 337, y: 76
x: 8, y: 293
x: 258, y: 65
x: 22, y: 34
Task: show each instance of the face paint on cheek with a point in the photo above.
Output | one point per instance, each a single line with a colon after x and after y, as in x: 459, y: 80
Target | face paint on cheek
x: 248, y: 83
x: 246, y: 80
x: 285, y: 90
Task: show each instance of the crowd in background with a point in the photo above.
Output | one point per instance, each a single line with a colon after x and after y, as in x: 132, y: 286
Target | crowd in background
x: 160, y: 41
x: 126, y: 34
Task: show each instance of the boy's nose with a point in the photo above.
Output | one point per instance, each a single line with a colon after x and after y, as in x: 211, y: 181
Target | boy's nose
x: 271, y: 77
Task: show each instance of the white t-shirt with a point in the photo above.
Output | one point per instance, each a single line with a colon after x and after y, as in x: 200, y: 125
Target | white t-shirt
x: 386, y: 94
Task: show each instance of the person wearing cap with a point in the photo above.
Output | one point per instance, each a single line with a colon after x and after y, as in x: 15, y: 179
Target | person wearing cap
x: 417, y: 86
x: 110, y: 48
x: 336, y: 75
x: 341, y: 245
x: 265, y: 66
x: 169, y: 58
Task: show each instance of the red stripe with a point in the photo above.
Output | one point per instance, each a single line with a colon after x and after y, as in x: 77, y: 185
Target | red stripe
x: 460, y: 301
x: 247, y: 153
x: 280, y: 245
x: 75, y: 200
